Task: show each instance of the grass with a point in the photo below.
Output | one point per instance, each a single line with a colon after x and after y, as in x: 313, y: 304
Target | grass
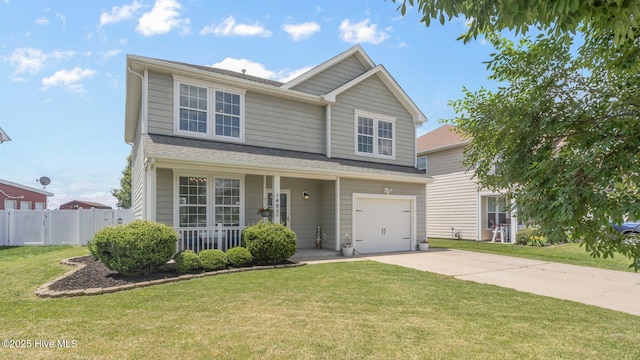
x: 344, y: 310
x: 571, y: 253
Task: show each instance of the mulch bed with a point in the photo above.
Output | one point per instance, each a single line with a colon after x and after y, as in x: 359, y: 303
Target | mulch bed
x: 96, y: 275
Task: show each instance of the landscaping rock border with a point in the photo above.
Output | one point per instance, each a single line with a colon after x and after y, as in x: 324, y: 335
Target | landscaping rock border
x: 45, y: 292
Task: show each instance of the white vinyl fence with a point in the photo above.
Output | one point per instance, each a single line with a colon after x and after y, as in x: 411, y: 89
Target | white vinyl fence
x: 57, y: 227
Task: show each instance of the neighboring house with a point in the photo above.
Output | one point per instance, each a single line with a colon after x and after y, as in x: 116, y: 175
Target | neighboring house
x: 20, y: 197
x: 336, y: 146
x: 77, y: 204
x: 456, y: 208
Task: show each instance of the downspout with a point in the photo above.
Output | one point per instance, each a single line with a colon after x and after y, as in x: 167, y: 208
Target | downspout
x: 328, y: 122
x: 143, y: 97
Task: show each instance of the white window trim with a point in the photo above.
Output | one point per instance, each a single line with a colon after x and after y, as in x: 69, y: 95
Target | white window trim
x: 25, y: 205
x: 211, y: 90
x: 41, y: 206
x: 376, y: 117
x: 211, y: 189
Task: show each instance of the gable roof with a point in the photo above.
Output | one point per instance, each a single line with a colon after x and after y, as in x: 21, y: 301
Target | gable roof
x: 444, y: 137
x: 356, y: 50
x: 396, y: 90
x: 27, y: 188
x: 75, y: 204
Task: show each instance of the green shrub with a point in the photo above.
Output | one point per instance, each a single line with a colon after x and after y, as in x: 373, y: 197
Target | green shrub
x: 269, y: 243
x: 530, y: 236
x: 92, y: 249
x: 213, y: 260
x: 187, y: 261
x: 239, y: 256
x: 137, y: 247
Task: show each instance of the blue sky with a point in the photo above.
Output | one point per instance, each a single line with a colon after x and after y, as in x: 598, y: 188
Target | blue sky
x: 62, y: 65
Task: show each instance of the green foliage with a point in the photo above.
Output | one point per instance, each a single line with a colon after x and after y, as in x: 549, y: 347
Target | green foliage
x: 134, y: 248
x: 561, y: 17
x: 213, y: 260
x: 525, y: 234
x: 239, y: 256
x: 124, y: 193
x: 563, y: 137
x: 537, y: 240
x: 92, y: 249
x: 187, y: 261
x: 269, y: 243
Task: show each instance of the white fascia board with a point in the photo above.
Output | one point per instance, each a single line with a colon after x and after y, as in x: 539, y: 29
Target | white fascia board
x: 418, y: 117
x: 443, y: 147
x: 27, y: 188
x: 356, y: 50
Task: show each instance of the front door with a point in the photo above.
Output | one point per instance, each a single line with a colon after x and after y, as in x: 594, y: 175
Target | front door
x: 285, y: 219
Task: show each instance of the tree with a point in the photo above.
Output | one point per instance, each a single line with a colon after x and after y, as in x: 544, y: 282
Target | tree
x: 124, y: 193
x: 562, y: 132
x: 559, y: 17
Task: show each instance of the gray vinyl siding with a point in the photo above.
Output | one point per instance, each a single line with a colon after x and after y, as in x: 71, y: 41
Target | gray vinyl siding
x: 373, y: 96
x: 327, y: 214
x: 137, y: 175
x: 160, y: 104
x: 164, y: 196
x: 333, y: 77
x: 306, y: 215
x: 269, y: 121
x: 452, y: 197
x: 285, y: 124
x: 252, y: 198
x: 350, y: 186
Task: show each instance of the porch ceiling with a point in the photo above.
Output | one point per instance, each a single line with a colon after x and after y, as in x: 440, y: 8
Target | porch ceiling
x: 262, y: 159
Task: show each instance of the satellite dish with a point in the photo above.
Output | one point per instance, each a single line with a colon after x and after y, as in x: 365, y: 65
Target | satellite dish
x: 44, y: 181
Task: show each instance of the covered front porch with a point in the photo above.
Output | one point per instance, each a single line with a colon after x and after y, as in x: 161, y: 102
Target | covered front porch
x: 210, y: 209
x: 497, y: 221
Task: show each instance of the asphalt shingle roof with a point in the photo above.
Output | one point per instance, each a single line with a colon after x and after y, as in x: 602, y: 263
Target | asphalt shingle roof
x: 223, y: 153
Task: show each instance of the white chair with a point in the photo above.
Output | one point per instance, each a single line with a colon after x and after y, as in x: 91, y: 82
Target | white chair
x: 498, y: 230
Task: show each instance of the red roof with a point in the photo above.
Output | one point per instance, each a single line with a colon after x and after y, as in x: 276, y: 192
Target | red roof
x: 76, y: 204
x: 443, y: 137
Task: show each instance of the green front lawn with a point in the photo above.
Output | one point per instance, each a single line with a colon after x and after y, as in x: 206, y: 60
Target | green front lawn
x: 344, y: 310
x: 566, y: 253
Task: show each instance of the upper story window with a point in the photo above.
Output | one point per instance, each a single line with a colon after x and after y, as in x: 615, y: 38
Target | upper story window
x: 422, y: 163
x: 375, y: 135
x: 209, y: 110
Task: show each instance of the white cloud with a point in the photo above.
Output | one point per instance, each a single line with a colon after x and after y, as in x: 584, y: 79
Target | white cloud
x: 259, y: 70
x: 229, y: 27
x: 68, y: 78
x: 361, y: 32
x: 111, y: 53
x: 301, y: 31
x: 28, y: 60
x: 42, y: 21
x: 163, y: 17
x: 119, y: 13
x: 62, y: 18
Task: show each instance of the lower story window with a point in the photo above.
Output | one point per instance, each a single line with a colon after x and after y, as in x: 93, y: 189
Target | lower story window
x: 227, y: 202
x: 192, y: 201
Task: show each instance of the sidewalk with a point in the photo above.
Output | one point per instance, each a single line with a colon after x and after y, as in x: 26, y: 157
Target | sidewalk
x: 615, y: 290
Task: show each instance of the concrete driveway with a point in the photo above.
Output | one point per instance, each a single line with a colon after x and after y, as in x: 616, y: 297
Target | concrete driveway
x: 609, y: 289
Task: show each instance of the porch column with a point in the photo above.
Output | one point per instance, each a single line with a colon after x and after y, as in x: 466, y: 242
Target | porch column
x: 150, y: 191
x: 276, y: 199
x: 337, y: 211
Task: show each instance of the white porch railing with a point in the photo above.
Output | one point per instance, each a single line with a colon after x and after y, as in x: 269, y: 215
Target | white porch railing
x: 202, y: 238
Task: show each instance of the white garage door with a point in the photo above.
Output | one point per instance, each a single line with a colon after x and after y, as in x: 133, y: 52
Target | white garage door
x: 383, y: 224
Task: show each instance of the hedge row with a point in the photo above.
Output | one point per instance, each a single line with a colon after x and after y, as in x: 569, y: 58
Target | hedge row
x: 211, y: 260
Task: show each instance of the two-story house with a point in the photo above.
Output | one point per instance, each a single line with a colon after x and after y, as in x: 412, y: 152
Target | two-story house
x: 456, y: 207
x: 334, y: 148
